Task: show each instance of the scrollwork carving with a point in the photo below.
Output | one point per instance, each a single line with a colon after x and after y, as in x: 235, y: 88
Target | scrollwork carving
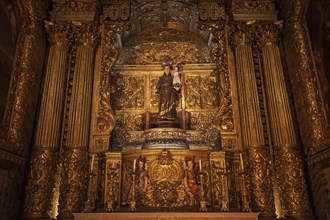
x: 289, y: 172
x: 204, y: 122
x: 129, y: 92
x: 73, y: 191
x: 105, y: 118
x: 224, y: 118
x: 150, y: 53
x: 262, y: 192
x: 126, y: 123
x: 202, y: 92
x: 41, y: 181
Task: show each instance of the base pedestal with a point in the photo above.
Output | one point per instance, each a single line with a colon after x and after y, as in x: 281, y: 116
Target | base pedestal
x: 167, y: 216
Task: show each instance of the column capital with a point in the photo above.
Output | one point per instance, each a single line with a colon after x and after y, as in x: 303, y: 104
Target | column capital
x: 59, y: 33
x: 241, y: 34
x: 268, y: 33
x: 86, y: 34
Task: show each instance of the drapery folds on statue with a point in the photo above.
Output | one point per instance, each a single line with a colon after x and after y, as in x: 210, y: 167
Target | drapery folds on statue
x: 168, y: 94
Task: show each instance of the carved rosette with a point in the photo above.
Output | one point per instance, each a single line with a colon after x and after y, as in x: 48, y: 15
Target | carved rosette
x: 290, y: 175
x: 41, y: 179
x: 73, y: 190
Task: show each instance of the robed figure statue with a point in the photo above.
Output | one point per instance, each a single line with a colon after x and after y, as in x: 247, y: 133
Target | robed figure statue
x: 168, y: 88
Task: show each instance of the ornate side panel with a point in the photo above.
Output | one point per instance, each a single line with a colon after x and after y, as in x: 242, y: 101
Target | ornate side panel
x: 103, y: 120
x: 219, y: 179
x: 73, y: 189
x: 201, y: 90
x: 129, y: 92
x: 112, y: 181
x: 213, y: 19
x: 203, y: 121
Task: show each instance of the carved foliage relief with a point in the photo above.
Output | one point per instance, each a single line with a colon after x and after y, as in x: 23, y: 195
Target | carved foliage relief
x: 201, y: 92
x: 152, y: 46
x: 129, y: 93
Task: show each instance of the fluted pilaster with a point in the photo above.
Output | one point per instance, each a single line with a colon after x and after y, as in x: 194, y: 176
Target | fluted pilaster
x: 44, y: 161
x: 251, y: 124
x: 51, y: 110
x: 288, y: 162
x: 75, y: 156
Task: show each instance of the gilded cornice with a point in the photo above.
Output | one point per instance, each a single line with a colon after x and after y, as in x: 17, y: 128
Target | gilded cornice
x: 252, y: 9
x: 82, y: 10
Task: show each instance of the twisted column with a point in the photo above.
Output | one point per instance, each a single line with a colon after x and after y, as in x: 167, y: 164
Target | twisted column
x: 288, y: 162
x: 39, y: 196
x: 75, y: 155
x: 251, y: 124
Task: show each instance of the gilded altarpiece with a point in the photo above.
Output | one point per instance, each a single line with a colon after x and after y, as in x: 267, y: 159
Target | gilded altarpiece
x: 119, y: 113
x: 127, y: 70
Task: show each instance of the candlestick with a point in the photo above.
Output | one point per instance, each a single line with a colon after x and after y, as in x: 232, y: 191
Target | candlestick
x: 134, y: 165
x: 200, y: 165
x: 92, y: 162
x: 241, y: 159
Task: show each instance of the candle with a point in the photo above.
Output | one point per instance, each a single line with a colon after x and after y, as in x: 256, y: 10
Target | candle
x: 200, y: 165
x: 92, y: 162
x: 134, y: 165
x: 241, y: 159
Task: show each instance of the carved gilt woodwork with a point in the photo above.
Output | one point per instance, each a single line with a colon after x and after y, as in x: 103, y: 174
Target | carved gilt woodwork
x: 102, y: 70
